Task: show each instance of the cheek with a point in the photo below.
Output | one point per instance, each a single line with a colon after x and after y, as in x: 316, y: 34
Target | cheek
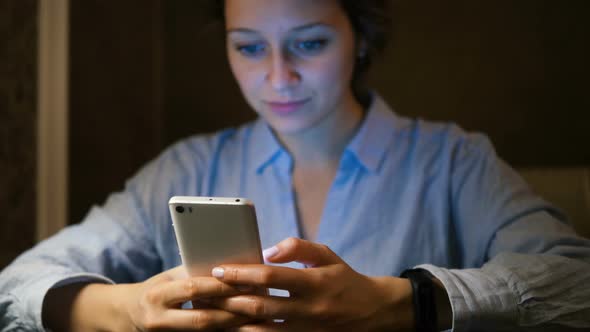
x: 245, y: 74
x: 239, y: 75
x: 247, y: 77
x: 332, y: 73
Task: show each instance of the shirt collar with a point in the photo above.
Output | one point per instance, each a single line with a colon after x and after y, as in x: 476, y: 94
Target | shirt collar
x: 265, y: 147
x: 369, y: 145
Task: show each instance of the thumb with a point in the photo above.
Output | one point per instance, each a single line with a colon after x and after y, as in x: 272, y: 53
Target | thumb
x: 297, y: 250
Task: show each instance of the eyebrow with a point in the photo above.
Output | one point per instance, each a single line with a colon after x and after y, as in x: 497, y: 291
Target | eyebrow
x: 296, y: 29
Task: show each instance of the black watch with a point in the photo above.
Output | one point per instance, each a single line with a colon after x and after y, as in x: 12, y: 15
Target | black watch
x: 425, y: 319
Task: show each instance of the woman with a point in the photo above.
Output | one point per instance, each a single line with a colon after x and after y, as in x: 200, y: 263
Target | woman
x: 327, y: 161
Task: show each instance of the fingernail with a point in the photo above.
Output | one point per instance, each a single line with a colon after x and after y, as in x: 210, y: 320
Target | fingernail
x: 217, y: 272
x: 270, y: 252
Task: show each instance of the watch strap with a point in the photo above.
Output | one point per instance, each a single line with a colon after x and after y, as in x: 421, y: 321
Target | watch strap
x: 423, y: 299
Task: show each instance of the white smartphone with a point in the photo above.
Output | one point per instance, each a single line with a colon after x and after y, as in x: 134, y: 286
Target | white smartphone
x: 215, y: 230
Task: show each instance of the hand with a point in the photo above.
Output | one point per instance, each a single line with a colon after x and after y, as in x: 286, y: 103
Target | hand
x: 152, y: 305
x: 155, y: 305
x: 327, y: 296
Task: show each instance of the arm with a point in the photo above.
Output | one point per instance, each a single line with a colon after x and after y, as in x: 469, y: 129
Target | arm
x: 114, y: 244
x: 524, y: 267
x: 105, y: 272
x: 152, y: 305
x: 100, y: 250
x: 83, y: 307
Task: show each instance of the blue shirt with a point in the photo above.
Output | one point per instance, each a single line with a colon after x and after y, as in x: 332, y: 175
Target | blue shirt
x: 407, y: 193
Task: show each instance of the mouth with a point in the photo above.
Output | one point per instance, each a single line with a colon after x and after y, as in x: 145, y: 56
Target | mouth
x: 286, y: 107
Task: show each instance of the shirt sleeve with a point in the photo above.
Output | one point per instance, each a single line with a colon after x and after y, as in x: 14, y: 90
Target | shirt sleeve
x: 115, y: 243
x: 524, y: 268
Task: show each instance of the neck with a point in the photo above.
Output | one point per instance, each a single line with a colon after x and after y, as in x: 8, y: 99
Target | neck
x: 322, y: 145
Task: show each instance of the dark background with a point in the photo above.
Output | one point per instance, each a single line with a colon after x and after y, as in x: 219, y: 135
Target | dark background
x: 18, y: 119
x: 145, y: 73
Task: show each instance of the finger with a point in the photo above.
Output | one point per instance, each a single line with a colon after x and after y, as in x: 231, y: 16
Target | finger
x: 180, y: 291
x: 264, y: 276
x: 191, y: 320
x: 297, y: 250
x: 262, y: 327
x: 263, y: 307
x: 276, y: 327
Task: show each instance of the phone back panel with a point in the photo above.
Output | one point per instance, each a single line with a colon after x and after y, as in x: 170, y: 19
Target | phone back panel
x: 210, y: 233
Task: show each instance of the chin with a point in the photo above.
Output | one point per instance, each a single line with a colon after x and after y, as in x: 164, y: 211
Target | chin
x: 288, y: 128
x: 295, y: 124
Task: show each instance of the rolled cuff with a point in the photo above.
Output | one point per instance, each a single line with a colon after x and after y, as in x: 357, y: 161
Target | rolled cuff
x: 480, y: 300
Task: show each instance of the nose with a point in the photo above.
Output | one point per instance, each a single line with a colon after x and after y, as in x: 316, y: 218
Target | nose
x: 282, y: 75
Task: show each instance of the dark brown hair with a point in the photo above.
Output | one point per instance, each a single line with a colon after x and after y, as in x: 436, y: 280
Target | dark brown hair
x: 370, y: 20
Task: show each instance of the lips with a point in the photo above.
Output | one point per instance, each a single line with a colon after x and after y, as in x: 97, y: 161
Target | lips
x: 286, y: 107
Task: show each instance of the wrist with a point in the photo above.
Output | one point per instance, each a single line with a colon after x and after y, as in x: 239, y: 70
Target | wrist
x: 78, y: 307
x: 432, y: 308
x: 100, y: 307
x: 397, y: 312
x: 424, y: 298
x: 122, y: 297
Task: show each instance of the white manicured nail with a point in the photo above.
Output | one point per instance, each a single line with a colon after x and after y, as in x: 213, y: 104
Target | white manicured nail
x: 217, y: 272
x: 270, y: 252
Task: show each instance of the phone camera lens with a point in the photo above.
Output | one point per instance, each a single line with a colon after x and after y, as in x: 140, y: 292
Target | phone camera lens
x: 179, y: 209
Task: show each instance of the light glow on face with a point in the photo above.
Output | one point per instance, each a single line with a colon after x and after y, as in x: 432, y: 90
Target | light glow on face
x: 293, y: 59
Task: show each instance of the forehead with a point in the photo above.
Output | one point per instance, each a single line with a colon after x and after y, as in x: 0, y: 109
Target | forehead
x: 281, y: 15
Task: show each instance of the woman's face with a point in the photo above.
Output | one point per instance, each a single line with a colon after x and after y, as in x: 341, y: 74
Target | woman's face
x: 293, y: 59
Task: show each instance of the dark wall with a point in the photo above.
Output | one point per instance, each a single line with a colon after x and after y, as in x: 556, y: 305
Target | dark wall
x: 115, y: 95
x: 18, y: 83
x: 200, y: 94
x: 145, y: 74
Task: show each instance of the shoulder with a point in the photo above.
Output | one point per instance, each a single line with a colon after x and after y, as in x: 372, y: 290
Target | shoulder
x: 425, y: 136
x: 445, y: 139
x: 190, y: 157
x: 200, y: 148
x: 449, y: 134
x: 203, y: 145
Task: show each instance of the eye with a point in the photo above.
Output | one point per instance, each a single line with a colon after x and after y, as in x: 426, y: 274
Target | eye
x: 251, y: 50
x: 310, y: 46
